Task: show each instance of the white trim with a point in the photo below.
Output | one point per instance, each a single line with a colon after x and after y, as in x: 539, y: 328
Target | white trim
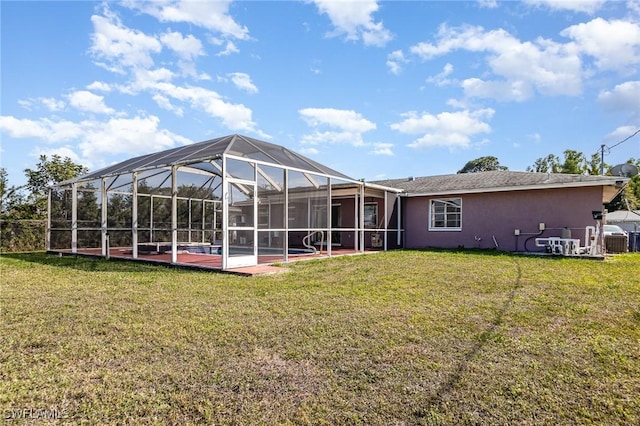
x: 134, y: 216
x: 174, y: 214
x: 430, y: 227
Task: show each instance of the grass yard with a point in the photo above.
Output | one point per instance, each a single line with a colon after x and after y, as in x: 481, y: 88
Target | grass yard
x: 403, y: 337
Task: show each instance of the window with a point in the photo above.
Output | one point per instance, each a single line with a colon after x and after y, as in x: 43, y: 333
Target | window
x: 445, y: 214
x: 371, y: 215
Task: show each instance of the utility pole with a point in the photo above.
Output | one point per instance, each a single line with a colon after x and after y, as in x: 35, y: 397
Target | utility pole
x: 602, y: 159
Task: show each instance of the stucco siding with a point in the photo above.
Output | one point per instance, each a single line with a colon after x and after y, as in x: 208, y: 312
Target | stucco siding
x: 492, y: 218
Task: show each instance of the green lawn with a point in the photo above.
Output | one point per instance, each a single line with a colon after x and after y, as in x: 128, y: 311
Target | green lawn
x: 403, y: 337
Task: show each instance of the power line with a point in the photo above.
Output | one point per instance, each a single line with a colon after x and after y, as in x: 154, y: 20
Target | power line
x: 625, y: 139
x: 608, y: 148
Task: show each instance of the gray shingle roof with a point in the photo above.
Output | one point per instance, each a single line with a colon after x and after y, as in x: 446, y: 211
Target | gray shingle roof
x: 494, y: 181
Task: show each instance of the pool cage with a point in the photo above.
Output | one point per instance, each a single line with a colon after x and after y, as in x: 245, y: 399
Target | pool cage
x: 225, y: 203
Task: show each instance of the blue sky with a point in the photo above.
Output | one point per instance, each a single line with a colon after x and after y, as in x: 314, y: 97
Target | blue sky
x: 373, y: 89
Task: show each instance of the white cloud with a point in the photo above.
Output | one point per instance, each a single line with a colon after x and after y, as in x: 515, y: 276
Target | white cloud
x: 623, y: 97
x: 243, y: 82
x: 382, y: 149
x: 500, y: 90
x: 52, y: 104
x: 26, y: 104
x: 549, y: 67
x: 345, y: 126
x: 89, y: 102
x: 93, y: 140
x: 120, y: 46
x: 585, y: 6
x: 333, y: 137
x: 137, y: 135
x: 63, y: 152
x: 621, y: 133
x: 441, y: 79
x: 236, y: 117
x: 309, y: 150
x: 47, y: 130
x: 187, y: 48
x: 340, y: 118
x: 395, y: 61
x: 614, y: 44
x: 164, y: 103
x: 212, y: 15
x: 233, y: 116
x: 634, y: 7
x: 449, y: 129
x: 354, y: 20
x: 489, y: 4
x: 144, y: 79
x: 99, y: 86
x: 229, y: 48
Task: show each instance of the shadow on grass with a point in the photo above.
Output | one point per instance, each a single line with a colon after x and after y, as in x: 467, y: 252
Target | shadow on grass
x: 83, y: 263
x: 499, y: 253
x: 487, y: 336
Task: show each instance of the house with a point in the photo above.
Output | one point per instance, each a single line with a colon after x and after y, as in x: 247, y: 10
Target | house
x: 236, y: 201
x: 627, y: 219
x: 505, y: 210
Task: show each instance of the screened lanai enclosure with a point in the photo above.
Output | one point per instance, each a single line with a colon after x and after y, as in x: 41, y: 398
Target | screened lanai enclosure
x: 225, y: 203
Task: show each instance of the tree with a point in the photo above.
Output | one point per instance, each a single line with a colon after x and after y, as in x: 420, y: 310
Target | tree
x: 574, y: 162
x: 629, y: 197
x: 593, y: 167
x: 548, y: 164
x: 482, y: 164
x: 11, y: 198
x: 46, y: 173
x: 4, y: 189
x: 3, y: 182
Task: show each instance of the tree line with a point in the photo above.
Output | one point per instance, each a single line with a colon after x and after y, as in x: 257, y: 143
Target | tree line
x: 574, y: 162
x: 29, y: 202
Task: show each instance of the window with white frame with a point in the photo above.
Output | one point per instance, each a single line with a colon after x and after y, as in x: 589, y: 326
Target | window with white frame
x: 371, y: 215
x: 445, y: 214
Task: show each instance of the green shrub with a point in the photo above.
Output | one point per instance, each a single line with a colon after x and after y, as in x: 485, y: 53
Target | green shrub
x: 22, y: 235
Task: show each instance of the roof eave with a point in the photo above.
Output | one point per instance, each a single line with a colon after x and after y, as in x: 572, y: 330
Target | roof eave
x: 383, y: 188
x: 618, y: 183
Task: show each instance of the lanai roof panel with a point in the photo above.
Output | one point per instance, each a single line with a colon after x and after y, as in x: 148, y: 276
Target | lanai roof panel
x: 237, y: 145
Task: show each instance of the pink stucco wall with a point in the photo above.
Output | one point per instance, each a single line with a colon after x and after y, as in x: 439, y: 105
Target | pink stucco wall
x: 498, y: 214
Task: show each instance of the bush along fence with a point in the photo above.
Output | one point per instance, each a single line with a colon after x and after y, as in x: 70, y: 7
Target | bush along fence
x: 22, y: 235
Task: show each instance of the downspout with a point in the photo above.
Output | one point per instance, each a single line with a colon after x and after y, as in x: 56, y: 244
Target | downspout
x: 385, y: 219
x: 329, y: 218
x: 361, y: 218
x: 355, y: 222
x: 399, y: 236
